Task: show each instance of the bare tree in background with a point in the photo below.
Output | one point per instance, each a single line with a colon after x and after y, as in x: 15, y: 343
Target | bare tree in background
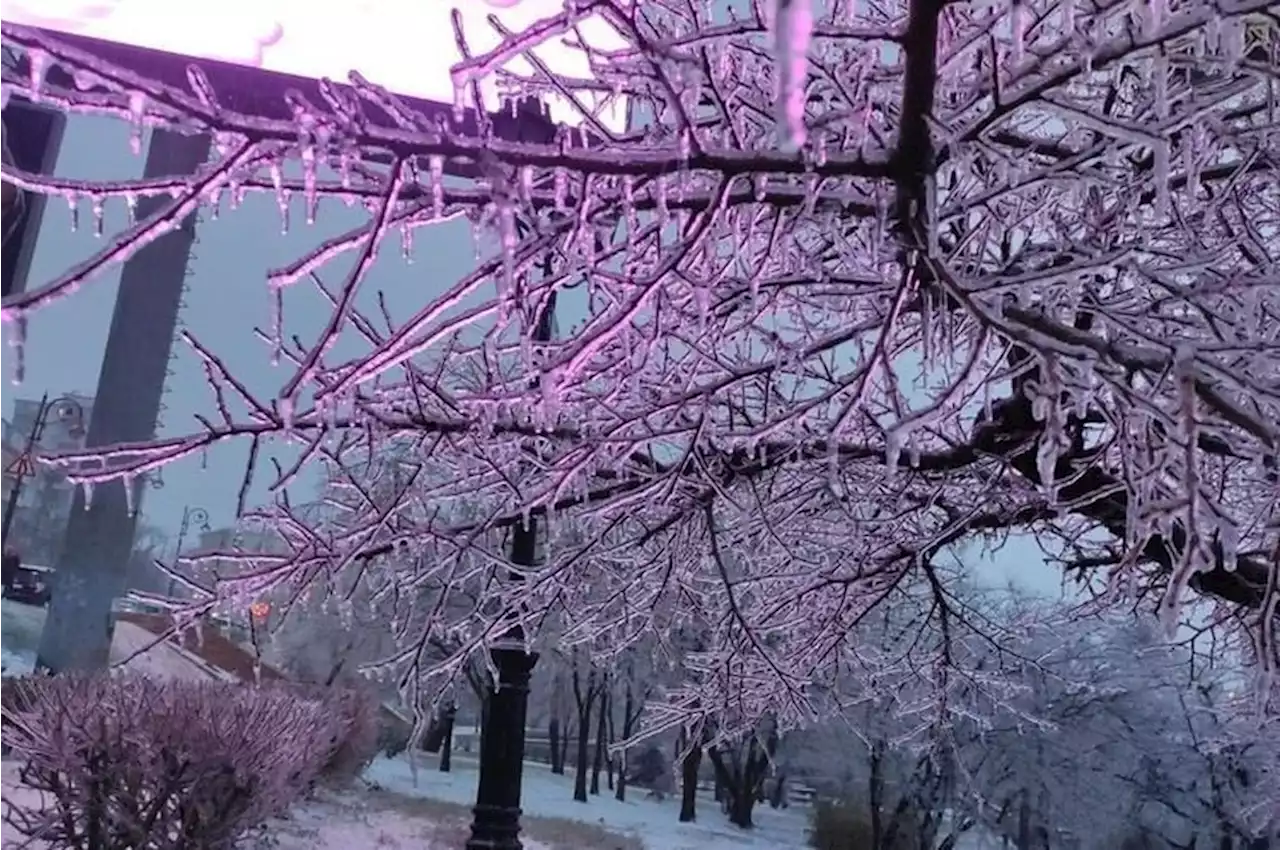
x: 926, y: 273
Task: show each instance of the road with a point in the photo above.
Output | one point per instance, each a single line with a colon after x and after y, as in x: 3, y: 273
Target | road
x: 20, y: 627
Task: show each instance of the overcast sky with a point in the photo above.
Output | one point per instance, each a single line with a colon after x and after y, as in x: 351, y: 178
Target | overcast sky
x: 227, y: 299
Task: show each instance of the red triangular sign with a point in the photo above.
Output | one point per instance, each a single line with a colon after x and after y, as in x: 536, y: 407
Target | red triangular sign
x: 23, y: 465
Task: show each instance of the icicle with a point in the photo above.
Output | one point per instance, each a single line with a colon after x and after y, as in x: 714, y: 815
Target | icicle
x: 73, y: 203
x: 129, y: 502
x: 561, y: 188
x: 629, y: 205
x: 131, y: 205
x: 406, y: 242
x: 286, y: 409
x: 1229, y: 538
x: 550, y: 386
x: 793, y: 29
x: 1018, y: 25
x: 436, y: 172
x: 1047, y: 464
x: 99, y: 215
x: 926, y: 328
x: 526, y: 183
x: 137, y: 112
x: 460, y: 98
x: 38, y: 63
x: 1160, y: 79
x: 1232, y: 41
x: 892, y: 452
x: 833, y: 465
x: 282, y: 202
x: 761, y: 186
x: 310, y: 194
x: 19, y: 344
x: 507, y: 237
x: 87, y: 486
x: 277, y: 325
x: 1161, y: 176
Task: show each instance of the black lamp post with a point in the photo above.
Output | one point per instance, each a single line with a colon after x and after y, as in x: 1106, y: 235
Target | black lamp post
x: 497, y: 811
x: 190, y: 515
x: 66, y: 409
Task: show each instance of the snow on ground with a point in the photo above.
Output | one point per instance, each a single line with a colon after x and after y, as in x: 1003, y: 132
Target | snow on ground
x: 392, y: 814
x: 652, y: 822
x: 434, y: 812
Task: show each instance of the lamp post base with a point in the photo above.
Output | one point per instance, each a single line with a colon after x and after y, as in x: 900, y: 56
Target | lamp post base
x: 495, y: 828
x: 497, y: 811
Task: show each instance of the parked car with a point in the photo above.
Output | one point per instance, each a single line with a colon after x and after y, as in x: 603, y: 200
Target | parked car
x: 29, y: 584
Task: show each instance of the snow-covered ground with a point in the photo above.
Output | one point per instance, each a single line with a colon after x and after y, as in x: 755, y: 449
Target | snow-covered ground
x: 653, y: 823
x: 393, y: 813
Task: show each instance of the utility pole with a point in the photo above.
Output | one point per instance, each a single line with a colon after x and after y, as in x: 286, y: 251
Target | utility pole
x: 92, y: 570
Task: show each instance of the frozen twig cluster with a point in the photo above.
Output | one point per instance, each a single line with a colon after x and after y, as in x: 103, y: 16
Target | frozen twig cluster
x: 962, y: 269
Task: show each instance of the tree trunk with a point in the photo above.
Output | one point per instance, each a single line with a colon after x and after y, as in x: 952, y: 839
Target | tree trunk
x: 602, y: 743
x: 555, y: 729
x: 740, y: 809
x: 564, y: 748
x: 580, y: 770
x: 446, y: 746
x: 741, y: 780
x: 689, y: 766
x: 876, y: 795
x: 557, y: 754
x: 583, y: 700
x: 778, y: 797
x: 630, y: 715
x: 615, y: 760
x: 1024, y: 824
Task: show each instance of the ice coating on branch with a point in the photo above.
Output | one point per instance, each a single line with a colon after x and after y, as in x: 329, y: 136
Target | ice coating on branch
x: 137, y: 113
x: 792, y: 32
x: 750, y: 341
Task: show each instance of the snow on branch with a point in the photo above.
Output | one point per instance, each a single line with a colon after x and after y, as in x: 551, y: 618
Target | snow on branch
x: 861, y: 284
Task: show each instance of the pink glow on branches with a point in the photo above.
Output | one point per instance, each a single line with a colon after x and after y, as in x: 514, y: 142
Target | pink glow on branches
x: 994, y: 290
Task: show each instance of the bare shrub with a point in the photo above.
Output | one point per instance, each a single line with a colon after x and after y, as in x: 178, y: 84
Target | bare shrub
x: 131, y: 762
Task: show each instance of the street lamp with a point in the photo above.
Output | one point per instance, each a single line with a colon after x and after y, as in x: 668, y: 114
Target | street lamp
x: 497, y: 812
x: 64, y: 409
x: 190, y: 515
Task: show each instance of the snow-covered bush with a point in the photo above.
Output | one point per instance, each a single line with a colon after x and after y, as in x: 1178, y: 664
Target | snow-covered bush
x: 132, y: 762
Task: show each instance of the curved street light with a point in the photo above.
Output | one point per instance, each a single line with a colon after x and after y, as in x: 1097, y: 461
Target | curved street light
x: 190, y: 516
x: 64, y: 409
